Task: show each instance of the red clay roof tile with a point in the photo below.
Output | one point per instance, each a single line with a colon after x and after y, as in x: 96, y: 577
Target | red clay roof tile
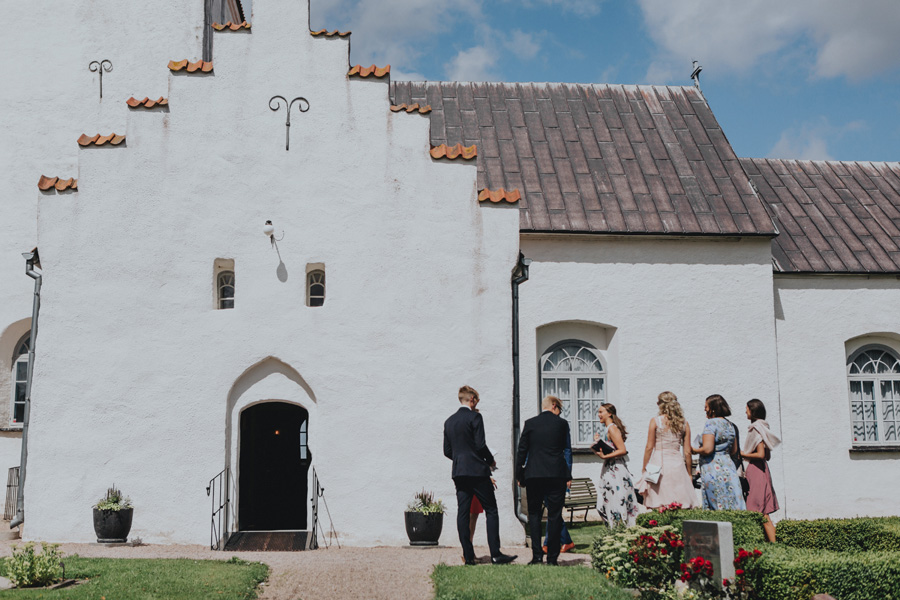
x: 192, y: 67
x: 99, y: 140
x: 411, y: 108
x: 360, y: 71
x: 326, y: 33
x: 146, y: 102
x: 45, y: 183
x: 500, y: 195
x: 453, y: 152
x: 230, y: 26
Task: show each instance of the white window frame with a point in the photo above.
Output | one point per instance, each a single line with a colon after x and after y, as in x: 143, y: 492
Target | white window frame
x: 220, y: 298
x: 595, y: 372
x: 857, y: 383
x: 315, y: 277
x: 19, y: 358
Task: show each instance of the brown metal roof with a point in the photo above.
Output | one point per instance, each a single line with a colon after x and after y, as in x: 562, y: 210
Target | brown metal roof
x: 598, y: 158
x: 834, y: 217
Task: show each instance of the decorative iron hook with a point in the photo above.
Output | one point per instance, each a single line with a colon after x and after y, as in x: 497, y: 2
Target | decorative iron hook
x: 289, y: 105
x: 100, y: 66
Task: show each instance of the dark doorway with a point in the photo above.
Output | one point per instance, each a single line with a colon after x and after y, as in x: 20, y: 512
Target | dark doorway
x: 274, y: 462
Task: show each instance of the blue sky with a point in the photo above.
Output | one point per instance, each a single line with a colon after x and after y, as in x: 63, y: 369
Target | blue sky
x: 816, y: 79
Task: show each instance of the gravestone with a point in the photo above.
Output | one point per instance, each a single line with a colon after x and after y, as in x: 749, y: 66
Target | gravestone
x: 714, y: 541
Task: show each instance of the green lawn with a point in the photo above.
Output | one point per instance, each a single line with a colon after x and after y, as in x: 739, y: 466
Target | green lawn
x: 520, y: 582
x: 146, y: 579
x: 583, y: 534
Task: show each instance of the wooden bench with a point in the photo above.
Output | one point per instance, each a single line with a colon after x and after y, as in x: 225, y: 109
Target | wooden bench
x: 582, y: 496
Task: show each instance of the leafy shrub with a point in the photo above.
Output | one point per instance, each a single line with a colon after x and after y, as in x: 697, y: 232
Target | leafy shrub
x: 611, y: 553
x: 113, y: 500
x: 787, y: 573
x: 747, y: 525
x: 841, y: 535
x: 424, y: 502
x: 25, y: 568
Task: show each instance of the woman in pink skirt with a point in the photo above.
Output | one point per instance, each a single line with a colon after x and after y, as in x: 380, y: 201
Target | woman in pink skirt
x: 668, y: 453
x: 757, y: 452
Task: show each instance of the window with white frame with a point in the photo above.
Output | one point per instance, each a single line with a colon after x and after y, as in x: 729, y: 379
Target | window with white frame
x: 19, y: 379
x: 225, y: 288
x: 315, y: 288
x: 874, y: 376
x: 573, y: 371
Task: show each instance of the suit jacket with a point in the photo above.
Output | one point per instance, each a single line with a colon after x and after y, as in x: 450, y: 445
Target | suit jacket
x: 542, y: 448
x: 464, y: 444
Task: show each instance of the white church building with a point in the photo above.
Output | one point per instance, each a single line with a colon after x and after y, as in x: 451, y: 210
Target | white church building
x: 183, y: 343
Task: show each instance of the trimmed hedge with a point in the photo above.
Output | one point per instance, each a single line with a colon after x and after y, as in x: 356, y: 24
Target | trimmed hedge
x: 747, y: 525
x: 787, y: 573
x: 841, y: 535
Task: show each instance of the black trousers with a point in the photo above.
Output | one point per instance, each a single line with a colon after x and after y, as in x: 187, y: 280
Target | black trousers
x: 551, y: 490
x: 483, y: 489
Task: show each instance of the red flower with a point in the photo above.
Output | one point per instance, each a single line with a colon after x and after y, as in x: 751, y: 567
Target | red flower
x: 743, y: 553
x: 725, y: 583
x: 636, y: 558
x: 653, y: 523
x: 664, y: 552
x: 739, y: 572
x: 757, y: 553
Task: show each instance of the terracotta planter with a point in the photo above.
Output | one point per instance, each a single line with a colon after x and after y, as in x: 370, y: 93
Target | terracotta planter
x: 112, y: 526
x: 424, y: 530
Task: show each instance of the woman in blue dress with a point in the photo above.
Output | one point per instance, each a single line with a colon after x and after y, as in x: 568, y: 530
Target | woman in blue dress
x: 718, y: 474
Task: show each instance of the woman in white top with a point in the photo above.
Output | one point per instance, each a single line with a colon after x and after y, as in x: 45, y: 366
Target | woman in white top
x: 668, y: 453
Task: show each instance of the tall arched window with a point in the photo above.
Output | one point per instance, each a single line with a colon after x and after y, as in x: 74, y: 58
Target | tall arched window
x: 315, y: 288
x: 19, y: 378
x: 573, y: 371
x: 225, y: 287
x: 874, y: 376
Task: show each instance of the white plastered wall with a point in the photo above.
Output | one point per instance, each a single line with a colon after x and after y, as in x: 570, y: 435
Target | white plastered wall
x: 693, y: 316
x: 134, y: 387
x: 821, y: 321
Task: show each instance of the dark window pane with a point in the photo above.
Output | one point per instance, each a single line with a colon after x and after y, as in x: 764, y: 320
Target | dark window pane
x: 317, y: 290
x: 316, y: 301
x: 19, y: 414
x: 20, y: 392
x: 227, y: 303
x: 227, y: 291
x: 21, y: 370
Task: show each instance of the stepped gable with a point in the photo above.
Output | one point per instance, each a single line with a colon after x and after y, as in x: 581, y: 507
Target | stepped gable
x: 834, y: 217
x: 598, y: 158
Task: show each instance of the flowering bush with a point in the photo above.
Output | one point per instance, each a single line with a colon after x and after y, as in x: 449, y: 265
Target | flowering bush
x: 612, y: 554
x: 672, y: 506
x: 746, y: 574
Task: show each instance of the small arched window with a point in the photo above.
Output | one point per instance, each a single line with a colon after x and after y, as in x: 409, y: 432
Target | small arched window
x: 573, y: 371
x: 20, y: 378
x: 225, y: 287
x: 315, y: 288
x: 873, y: 372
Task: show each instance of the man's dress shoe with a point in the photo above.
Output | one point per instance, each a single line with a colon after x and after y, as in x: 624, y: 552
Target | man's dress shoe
x: 502, y: 559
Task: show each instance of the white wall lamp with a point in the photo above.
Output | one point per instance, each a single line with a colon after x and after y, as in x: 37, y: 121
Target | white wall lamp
x: 269, y: 230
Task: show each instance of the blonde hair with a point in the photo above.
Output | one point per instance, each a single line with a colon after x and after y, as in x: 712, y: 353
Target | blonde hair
x: 467, y: 389
x: 671, y: 410
x: 551, y: 402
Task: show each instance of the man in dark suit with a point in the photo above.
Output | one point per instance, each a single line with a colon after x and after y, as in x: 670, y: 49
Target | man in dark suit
x: 472, y: 463
x: 542, y: 470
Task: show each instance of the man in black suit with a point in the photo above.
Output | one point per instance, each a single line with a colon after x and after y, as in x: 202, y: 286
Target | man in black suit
x: 472, y: 463
x: 541, y: 468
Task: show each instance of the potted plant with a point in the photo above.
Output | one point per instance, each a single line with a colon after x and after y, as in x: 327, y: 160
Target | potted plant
x: 112, y: 517
x: 424, y: 519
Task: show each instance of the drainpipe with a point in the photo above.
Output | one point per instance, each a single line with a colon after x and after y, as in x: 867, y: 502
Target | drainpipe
x: 519, y: 276
x: 32, y: 260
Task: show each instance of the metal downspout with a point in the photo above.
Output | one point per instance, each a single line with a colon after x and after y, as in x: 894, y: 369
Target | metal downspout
x: 519, y: 276
x: 30, y: 259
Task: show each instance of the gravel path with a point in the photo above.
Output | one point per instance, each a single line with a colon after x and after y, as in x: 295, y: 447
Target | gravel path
x: 395, y: 573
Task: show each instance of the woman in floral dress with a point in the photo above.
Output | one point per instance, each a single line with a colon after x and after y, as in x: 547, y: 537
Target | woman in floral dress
x: 718, y: 474
x: 615, y: 502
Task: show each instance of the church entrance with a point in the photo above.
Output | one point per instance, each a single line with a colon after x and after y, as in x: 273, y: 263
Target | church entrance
x: 274, y: 462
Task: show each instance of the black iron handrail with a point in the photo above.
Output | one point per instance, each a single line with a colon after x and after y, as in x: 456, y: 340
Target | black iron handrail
x: 331, y: 534
x: 218, y: 490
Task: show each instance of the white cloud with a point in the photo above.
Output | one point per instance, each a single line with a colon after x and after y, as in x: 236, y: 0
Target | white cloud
x: 810, y: 140
x: 852, y: 39
x: 473, y: 64
x: 585, y: 8
x: 524, y: 45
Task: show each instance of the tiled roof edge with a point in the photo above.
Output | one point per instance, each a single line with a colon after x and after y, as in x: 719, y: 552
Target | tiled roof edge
x: 360, y: 71
x: 454, y: 152
x: 99, y: 140
x: 191, y: 67
x: 422, y: 109
x: 46, y: 183
x: 230, y: 26
x: 146, y: 102
x: 501, y: 195
x: 326, y: 33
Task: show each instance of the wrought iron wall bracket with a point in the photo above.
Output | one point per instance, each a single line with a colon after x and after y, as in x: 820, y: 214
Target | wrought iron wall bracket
x: 274, y: 105
x: 99, y: 67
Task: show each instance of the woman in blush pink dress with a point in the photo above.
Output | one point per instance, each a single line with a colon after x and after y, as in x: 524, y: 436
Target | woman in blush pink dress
x: 669, y: 448
x: 757, y: 451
